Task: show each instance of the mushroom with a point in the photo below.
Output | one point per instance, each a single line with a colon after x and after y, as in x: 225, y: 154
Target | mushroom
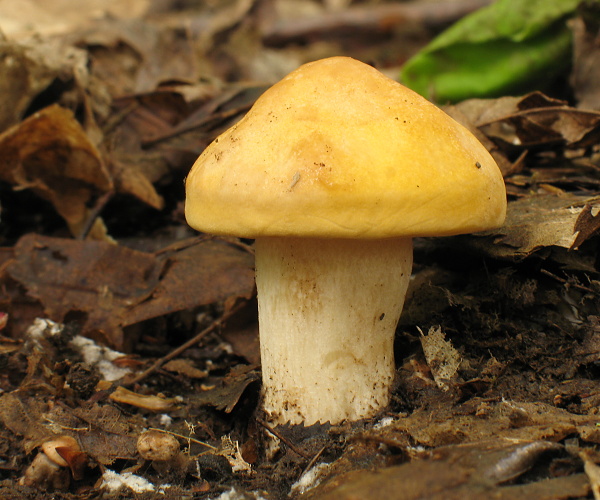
x: 333, y: 171
x: 162, y: 450
x: 59, y: 458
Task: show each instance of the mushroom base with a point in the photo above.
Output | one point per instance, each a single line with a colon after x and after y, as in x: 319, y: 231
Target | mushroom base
x: 328, y: 310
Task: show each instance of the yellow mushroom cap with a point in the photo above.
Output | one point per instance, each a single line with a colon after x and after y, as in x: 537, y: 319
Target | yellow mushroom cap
x: 338, y: 150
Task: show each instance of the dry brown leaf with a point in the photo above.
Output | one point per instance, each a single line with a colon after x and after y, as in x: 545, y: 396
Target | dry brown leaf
x: 442, y: 358
x: 24, y: 18
x: 51, y: 154
x: 95, y: 279
x: 593, y: 473
x: 533, y: 122
x: 109, y: 287
x: 586, y: 226
x: 224, y: 19
x: 23, y: 416
x: 457, y: 453
x: 135, y: 56
x: 135, y: 165
x: 102, y: 430
x: 109, y: 434
x: 131, y: 177
x: 485, y: 111
x: 31, y: 67
x: 456, y: 473
x: 226, y: 395
x: 197, y: 272
x: 540, y: 221
x: 507, y: 419
x: 243, y: 338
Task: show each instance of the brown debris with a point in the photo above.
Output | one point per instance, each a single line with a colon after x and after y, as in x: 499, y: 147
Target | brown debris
x: 51, y: 154
x: 143, y: 401
x: 444, y: 480
x: 586, y: 226
x: 191, y: 264
x: 227, y: 394
x: 372, y: 19
x: 543, y: 221
x: 75, y: 276
x: 80, y: 277
x: 533, y: 122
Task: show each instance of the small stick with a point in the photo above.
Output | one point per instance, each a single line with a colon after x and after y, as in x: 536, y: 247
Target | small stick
x: 185, y: 346
x: 183, y: 129
x: 566, y: 282
x: 94, y: 213
x: 187, y: 438
x: 313, y: 461
x: 283, y: 439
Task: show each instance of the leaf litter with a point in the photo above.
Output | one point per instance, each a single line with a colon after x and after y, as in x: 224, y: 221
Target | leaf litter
x: 501, y: 400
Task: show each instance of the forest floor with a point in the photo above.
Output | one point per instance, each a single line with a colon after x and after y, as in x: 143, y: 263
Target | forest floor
x: 117, y: 318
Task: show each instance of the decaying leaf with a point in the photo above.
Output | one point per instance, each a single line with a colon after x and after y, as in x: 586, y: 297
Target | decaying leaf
x: 226, y: 395
x: 586, y: 226
x: 23, y: 416
x: 231, y: 451
x: 542, y: 221
x: 106, y: 433
x: 51, y: 154
x: 506, y: 420
x: 442, y: 358
x: 108, y: 287
x: 98, y: 280
x: 454, y: 453
x: 533, y: 122
x: 27, y: 18
x: 458, y: 472
x: 132, y: 56
x: 29, y: 68
x: 197, y: 272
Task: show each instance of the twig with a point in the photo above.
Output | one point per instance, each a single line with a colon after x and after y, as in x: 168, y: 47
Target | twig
x: 185, y: 346
x: 187, y: 438
x: 541, y: 111
x: 567, y: 282
x: 283, y: 439
x: 313, y: 461
x: 94, y: 213
x: 203, y: 122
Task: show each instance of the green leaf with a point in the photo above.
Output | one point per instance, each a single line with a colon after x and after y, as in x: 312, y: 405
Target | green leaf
x: 509, y: 46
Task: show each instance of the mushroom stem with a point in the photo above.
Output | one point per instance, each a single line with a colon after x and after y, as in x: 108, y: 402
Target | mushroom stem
x: 328, y: 310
